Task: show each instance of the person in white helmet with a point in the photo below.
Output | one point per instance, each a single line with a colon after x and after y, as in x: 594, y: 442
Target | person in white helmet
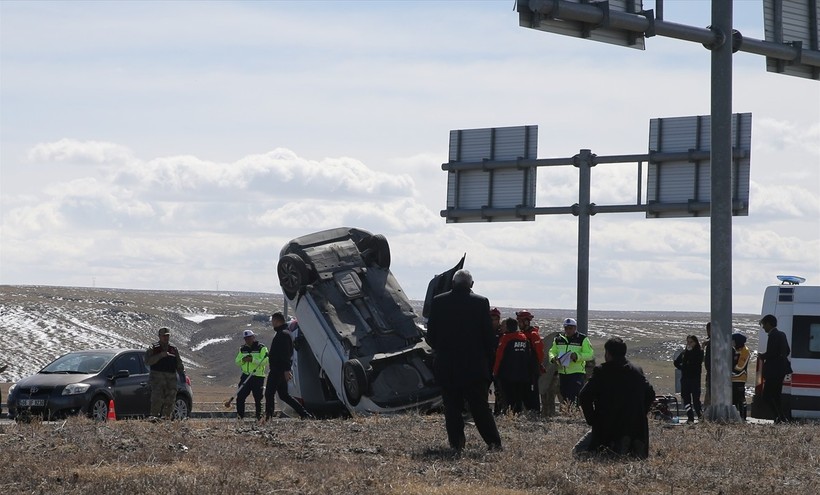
x: 570, y: 351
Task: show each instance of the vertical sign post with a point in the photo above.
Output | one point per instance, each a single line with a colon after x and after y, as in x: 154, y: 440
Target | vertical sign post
x: 721, y: 218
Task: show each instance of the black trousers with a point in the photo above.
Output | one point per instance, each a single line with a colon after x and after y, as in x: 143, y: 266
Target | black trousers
x: 253, y: 386
x: 570, y: 386
x: 516, y: 393
x: 690, y: 392
x: 773, y: 396
x: 278, y: 385
x: 739, y: 398
x: 475, y: 394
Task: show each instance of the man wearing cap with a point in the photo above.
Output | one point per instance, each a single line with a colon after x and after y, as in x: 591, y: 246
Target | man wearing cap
x: 251, y: 359
x: 165, y: 363
x: 524, y: 317
x: 570, y: 351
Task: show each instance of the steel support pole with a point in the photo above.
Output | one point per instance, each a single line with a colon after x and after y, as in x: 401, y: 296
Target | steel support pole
x: 720, y: 408
x: 584, y: 164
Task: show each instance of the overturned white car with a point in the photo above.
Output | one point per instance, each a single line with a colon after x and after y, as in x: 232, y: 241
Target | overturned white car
x: 358, y: 345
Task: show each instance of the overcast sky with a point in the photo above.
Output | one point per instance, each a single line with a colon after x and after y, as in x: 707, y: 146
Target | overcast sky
x: 180, y: 145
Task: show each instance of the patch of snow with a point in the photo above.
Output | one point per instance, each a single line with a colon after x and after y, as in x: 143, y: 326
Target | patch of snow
x: 208, y: 342
x: 200, y: 317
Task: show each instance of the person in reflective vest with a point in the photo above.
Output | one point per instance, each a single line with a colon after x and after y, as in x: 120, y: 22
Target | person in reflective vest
x: 570, y: 351
x: 252, y: 359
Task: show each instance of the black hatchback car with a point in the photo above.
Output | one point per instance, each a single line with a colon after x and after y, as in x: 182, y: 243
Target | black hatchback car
x: 84, y: 382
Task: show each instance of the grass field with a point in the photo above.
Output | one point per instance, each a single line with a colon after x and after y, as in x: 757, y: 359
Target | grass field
x: 403, y: 454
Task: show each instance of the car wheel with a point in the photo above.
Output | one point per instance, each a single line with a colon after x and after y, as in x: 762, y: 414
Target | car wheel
x: 293, y: 274
x: 355, y: 380
x: 98, y: 408
x: 182, y: 410
x: 376, y: 250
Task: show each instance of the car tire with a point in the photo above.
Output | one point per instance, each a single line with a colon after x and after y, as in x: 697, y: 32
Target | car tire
x: 293, y: 274
x: 376, y: 250
x: 354, y: 380
x: 98, y: 408
x: 182, y: 408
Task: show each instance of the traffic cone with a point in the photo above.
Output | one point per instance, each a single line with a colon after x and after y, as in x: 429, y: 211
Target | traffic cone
x: 112, y: 415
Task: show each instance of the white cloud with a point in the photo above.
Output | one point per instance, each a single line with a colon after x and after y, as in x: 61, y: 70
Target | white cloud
x: 80, y: 152
x: 784, y: 200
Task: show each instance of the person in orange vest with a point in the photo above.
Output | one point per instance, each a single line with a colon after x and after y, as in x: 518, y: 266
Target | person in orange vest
x: 524, y: 317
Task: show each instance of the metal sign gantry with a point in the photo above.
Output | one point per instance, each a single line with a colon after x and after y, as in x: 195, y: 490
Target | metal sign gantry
x: 625, y: 22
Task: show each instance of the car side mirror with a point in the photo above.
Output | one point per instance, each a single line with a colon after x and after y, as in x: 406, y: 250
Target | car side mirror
x: 121, y: 374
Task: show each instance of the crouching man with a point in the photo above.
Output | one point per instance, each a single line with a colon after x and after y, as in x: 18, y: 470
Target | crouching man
x: 615, y: 402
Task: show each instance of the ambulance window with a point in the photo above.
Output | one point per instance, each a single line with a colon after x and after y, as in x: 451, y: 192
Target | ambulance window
x: 814, y: 337
x: 806, y: 337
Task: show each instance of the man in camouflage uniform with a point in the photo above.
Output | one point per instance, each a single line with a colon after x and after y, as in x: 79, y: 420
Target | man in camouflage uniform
x: 165, y: 363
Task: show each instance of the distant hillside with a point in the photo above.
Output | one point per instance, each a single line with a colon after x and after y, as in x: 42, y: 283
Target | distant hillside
x: 39, y: 323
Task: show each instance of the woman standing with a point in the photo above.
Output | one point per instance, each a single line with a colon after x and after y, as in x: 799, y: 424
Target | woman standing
x: 689, y: 362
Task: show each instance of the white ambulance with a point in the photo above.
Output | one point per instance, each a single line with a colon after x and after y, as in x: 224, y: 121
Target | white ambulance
x: 797, y: 309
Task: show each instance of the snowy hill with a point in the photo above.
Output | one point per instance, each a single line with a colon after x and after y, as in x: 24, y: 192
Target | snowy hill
x: 39, y: 323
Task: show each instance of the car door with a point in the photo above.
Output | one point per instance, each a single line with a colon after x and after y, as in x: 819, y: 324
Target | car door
x: 132, y: 395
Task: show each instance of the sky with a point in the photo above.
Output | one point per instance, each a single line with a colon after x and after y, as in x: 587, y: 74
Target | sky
x: 179, y: 146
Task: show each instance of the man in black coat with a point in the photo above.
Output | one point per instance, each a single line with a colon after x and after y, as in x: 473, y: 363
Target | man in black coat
x: 775, y: 366
x: 615, y: 402
x: 280, y: 358
x: 460, y: 332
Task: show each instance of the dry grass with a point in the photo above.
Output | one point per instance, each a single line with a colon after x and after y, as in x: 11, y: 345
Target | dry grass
x: 396, y: 455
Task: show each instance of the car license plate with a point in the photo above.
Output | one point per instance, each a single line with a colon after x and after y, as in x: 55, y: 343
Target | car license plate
x: 32, y: 402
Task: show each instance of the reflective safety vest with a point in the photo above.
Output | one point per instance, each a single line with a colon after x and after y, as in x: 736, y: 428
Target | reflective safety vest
x: 259, y: 353
x: 579, y: 344
x: 741, y: 364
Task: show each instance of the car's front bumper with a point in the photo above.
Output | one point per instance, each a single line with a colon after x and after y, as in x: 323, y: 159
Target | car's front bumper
x: 47, y: 405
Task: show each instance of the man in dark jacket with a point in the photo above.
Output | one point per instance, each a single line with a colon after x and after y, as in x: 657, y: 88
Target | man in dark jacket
x: 459, y: 331
x: 775, y: 366
x: 615, y: 402
x: 280, y: 360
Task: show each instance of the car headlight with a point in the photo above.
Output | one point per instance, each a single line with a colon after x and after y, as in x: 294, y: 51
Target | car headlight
x: 11, y: 389
x: 76, y: 388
